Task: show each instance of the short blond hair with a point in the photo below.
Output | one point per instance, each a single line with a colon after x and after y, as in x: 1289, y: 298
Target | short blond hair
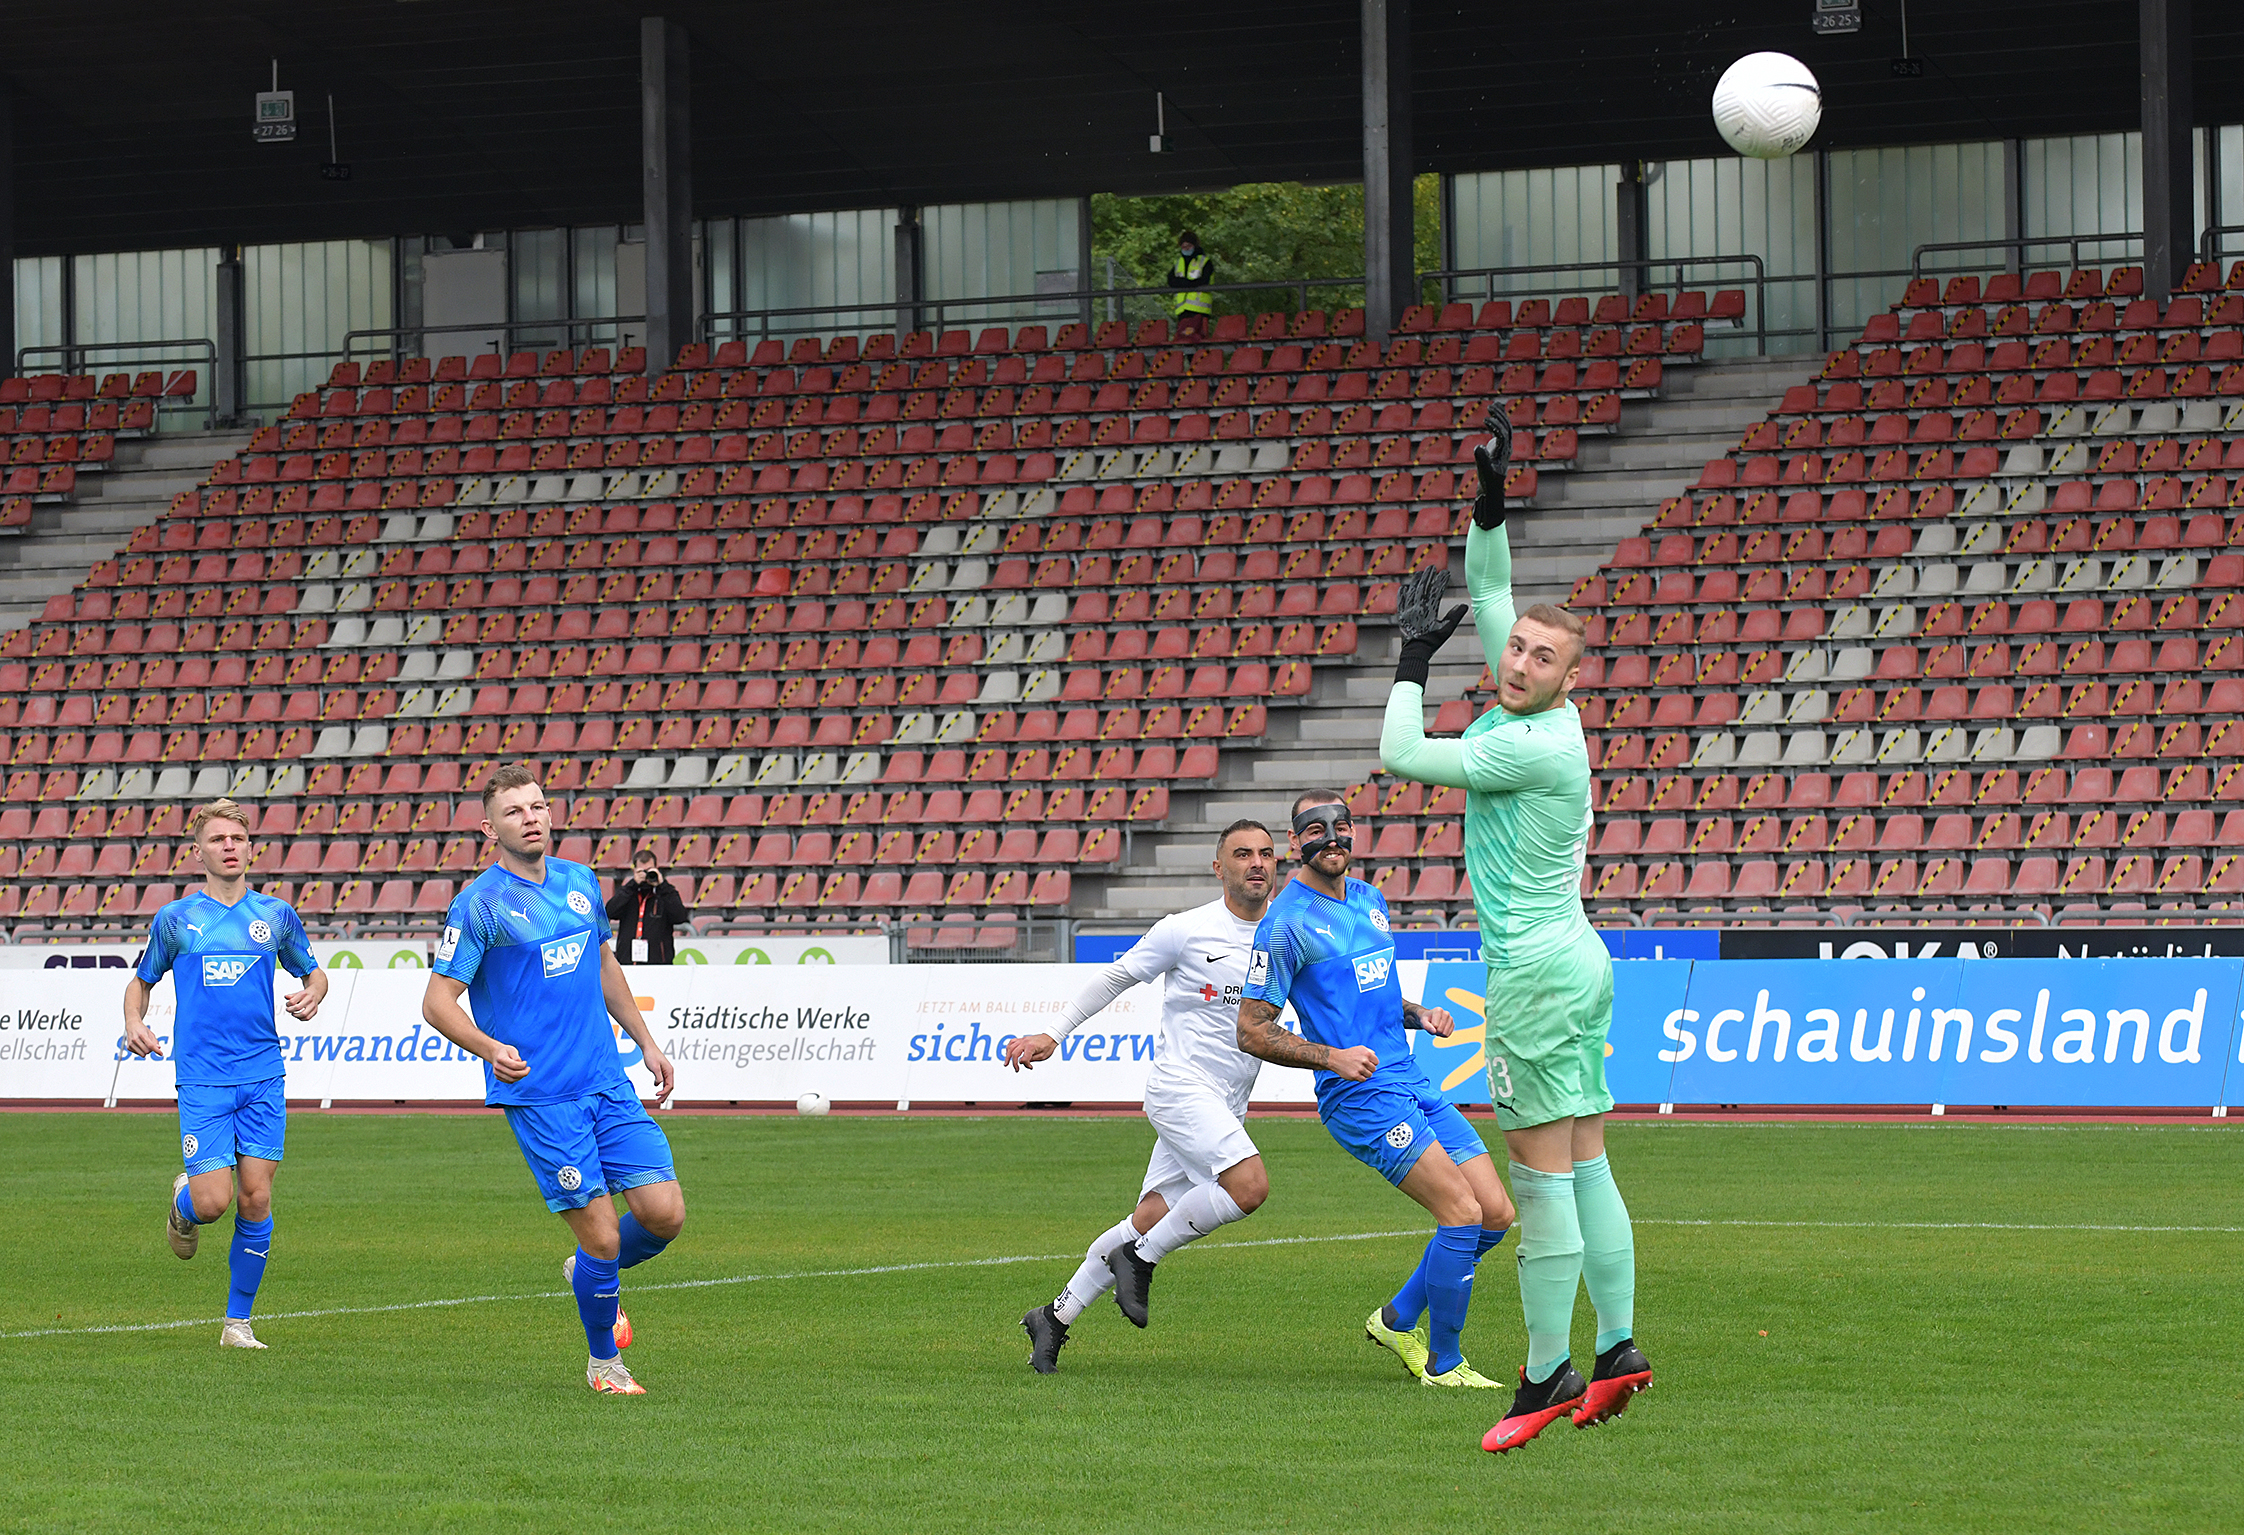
x: 1552, y: 617
x: 217, y: 810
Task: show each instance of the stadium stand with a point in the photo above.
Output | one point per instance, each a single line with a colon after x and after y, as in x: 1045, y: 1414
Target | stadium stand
x: 1954, y: 629
x: 841, y: 628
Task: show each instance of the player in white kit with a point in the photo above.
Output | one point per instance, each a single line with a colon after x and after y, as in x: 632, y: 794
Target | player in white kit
x: 1205, y: 1170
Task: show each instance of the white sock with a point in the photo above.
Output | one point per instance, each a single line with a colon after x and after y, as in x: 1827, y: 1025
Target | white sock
x: 1199, y: 1212
x: 1094, y: 1278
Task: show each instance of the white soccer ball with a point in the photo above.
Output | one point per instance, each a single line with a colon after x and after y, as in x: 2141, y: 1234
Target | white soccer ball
x: 810, y: 1103
x: 1767, y: 105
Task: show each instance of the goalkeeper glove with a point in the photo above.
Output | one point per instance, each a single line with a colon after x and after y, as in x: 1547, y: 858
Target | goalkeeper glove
x: 1492, y: 457
x: 1424, y: 626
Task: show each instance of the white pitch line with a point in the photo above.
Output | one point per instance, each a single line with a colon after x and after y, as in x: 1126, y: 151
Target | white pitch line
x: 679, y: 1284
x: 1937, y: 1226
x: 969, y: 1263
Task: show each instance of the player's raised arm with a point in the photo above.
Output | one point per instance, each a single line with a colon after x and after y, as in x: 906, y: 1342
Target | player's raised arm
x: 615, y: 991
x: 1488, y: 548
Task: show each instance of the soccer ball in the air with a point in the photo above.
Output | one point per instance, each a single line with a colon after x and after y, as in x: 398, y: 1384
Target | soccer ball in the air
x: 810, y: 1103
x: 1767, y: 105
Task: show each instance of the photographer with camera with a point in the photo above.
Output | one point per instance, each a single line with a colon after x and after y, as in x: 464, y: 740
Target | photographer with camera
x: 646, y: 910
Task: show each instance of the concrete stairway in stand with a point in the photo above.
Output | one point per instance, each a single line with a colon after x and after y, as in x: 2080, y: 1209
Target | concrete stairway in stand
x: 67, y: 538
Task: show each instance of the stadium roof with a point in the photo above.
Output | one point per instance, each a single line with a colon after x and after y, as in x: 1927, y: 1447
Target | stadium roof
x: 132, y: 118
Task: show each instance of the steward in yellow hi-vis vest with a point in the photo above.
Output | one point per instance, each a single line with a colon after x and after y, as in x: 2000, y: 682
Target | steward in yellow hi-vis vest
x: 1193, y: 303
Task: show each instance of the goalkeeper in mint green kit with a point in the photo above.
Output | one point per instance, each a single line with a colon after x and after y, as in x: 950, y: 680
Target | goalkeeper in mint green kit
x: 1526, y: 776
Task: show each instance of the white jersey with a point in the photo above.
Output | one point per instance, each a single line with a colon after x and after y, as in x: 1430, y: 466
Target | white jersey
x: 1203, y: 954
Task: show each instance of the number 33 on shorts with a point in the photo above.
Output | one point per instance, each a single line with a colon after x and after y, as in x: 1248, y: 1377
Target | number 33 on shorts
x: 1500, y: 1073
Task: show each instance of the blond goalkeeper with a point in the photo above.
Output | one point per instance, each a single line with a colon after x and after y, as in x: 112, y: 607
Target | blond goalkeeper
x: 1526, y: 776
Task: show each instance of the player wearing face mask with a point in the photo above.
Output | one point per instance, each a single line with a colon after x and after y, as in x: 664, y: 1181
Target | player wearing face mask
x: 1325, y: 946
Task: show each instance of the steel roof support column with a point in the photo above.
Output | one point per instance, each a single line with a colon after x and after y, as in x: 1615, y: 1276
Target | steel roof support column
x: 1390, y: 264
x: 2169, y: 188
x: 666, y: 173
x: 229, y: 382
x: 7, y: 234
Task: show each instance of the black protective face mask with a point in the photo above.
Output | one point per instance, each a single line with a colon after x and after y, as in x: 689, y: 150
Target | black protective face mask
x: 1318, y: 828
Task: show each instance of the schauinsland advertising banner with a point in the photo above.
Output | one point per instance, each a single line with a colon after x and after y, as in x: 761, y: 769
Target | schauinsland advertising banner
x: 2021, y: 1033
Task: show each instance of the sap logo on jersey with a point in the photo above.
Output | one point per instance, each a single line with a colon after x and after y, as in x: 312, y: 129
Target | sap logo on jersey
x: 562, y: 954
x: 1373, y: 969
x: 226, y: 969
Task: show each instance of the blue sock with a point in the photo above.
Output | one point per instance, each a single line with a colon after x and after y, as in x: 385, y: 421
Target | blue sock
x: 184, y: 1203
x: 1410, y: 1301
x: 636, y: 1244
x: 246, y: 1257
x: 1449, y: 1290
x: 597, y: 1292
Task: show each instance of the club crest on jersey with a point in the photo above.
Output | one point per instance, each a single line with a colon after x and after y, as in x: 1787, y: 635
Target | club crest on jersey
x: 226, y: 969
x: 562, y: 955
x: 571, y: 1180
x: 188, y: 1145
x: 580, y: 903
x: 1373, y: 969
x: 1399, y: 1137
x: 260, y: 931
x: 1377, y: 919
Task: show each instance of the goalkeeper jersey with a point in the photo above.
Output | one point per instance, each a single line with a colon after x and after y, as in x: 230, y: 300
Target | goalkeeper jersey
x: 1527, y: 804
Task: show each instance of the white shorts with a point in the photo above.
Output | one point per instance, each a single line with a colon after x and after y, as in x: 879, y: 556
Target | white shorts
x: 1199, y: 1129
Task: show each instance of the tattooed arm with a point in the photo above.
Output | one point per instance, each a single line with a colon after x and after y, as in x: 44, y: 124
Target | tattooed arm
x: 1433, y: 1020
x: 1262, y: 1036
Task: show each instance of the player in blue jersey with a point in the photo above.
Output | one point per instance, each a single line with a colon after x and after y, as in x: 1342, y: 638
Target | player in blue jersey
x: 527, y: 943
x: 221, y: 946
x: 1324, y: 945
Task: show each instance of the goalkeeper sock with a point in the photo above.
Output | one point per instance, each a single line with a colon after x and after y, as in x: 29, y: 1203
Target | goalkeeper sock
x: 1095, y: 1277
x: 1550, y: 1265
x: 1449, y: 1291
x: 597, y: 1290
x: 1200, y: 1211
x: 635, y: 1244
x: 245, y: 1260
x: 1608, y: 1251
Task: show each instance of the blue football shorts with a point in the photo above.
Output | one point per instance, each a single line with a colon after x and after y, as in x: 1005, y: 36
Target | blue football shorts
x: 217, y: 1124
x: 602, y: 1143
x: 1388, y: 1124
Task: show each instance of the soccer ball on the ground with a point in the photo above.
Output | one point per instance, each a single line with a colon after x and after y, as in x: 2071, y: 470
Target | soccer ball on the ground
x: 1767, y: 105
x: 810, y: 1103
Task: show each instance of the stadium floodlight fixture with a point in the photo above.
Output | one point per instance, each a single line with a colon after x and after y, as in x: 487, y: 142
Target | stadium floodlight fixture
x: 1160, y: 142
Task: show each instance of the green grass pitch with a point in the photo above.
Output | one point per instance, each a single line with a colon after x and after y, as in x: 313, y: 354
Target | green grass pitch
x: 1830, y: 1354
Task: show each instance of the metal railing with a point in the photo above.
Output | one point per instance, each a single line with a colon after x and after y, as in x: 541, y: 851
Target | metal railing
x: 939, y: 313
x: 2213, y: 244
x: 2070, y: 244
x: 130, y: 356
x: 1759, y: 280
